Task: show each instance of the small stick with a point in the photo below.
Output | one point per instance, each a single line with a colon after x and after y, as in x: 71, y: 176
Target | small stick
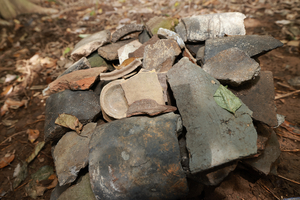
x: 291, y: 150
x: 265, y: 187
x: 23, y: 184
x: 289, y: 179
x: 286, y: 95
x: 18, y: 133
x: 288, y: 137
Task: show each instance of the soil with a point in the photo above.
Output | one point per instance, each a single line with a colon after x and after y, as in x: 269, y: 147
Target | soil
x: 49, y: 37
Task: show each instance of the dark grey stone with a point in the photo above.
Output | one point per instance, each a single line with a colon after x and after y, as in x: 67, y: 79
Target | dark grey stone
x: 110, y: 51
x: 84, y: 105
x: 125, y: 30
x: 144, y: 36
x: 214, y: 135
x: 181, y: 30
x: 194, y: 47
x: 96, y: 60
x: 251, y: 44
x: 83, y: 63
x: 200, y: 56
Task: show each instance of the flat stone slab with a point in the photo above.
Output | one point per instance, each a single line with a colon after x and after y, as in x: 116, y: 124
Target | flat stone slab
x: 161, y: 22
x: 214, y: 135
x: 84, y: 105
x: 139, y: 53
x: 110, y: 51
x: 259, y: 96
x: 124, y: 51
x: 83, y: 63
x: 137, y: 158
x: 167, y: 34
x: 161, y: 55
x: 89, y: 44
x: 232, y: 66
x: 125, y: 30
x: 251, y: 44
x: 96, y: 60
x: 203, y: 27
x: 71, y: 154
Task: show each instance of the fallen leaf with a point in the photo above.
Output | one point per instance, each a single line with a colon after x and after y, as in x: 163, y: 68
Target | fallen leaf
x: 226, y: 99
x: 10, y: 77
x: 32, y: 134
x: 7, y: 90
x: 12, y: 104
x: 6, y: 160
x: 69, y: 121
x: 7, y: 122
x: 36, y: 151
x: 21, y: 175
x: 48, y: 62
x: 67, y: 50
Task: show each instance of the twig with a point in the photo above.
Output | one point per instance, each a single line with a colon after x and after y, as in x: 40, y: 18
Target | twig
x: 6, y: 68
x: 288, y: 179
x: 286, y: 86
x: 18, y: 133
x: 268, y: 190
x: 22, y: 185
x: 292, y: 138
x: 286, y: 95
x: 39, y: 120
x: 290, y: 150
x: 11, y: 187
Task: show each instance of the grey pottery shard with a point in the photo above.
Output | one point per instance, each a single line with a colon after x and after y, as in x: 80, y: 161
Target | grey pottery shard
x: 214, y: 135
x: 251, y: 44
x: 125, y: 30
x: 110, y: 51
x: 71, y: 154
x: 83, y: 63
x: 89, y: 44
x: 160, y: 54
x: 259, y: 95
x: 202, y: 27
x: 137, y: 158
x: 232, y: 66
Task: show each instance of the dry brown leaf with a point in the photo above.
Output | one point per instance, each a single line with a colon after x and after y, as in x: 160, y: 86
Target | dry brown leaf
x: 48, y: 62
x: 33, y: 134
x: 12, y: 104
x: 69, y: 121
x: 6, y: 160
x: 7, y: 90
x: 53, y: 183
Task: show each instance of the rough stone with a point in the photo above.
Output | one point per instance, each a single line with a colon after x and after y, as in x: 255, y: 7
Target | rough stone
x: 232, y: 66
x: 251, y: 44
x: 77, y: 80
x: 194, y: 47
x: 214, y: 135
x: 161, y: 22
x: 144, y: 36
x: 162, y: 78
x: 259, y: 96
x: 96, y: 60
x: 58, y: 190
x: 162, y: 51
x: 89, y: 44
x: 110, y: 51
x: 200, y: 55
x: 180, y: 29
x: 71, y: 154
x: 84, y: 105
x: 167, y: 34
x: 125, y: 30
x: 295, y: 82
x: 137, y: 158
x: 202, y: 27
x: 124, y: 51
x: 139, y: 53
x: 83, y: 63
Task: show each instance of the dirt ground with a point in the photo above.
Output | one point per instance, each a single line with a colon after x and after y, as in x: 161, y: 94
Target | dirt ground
x: 51, y: 36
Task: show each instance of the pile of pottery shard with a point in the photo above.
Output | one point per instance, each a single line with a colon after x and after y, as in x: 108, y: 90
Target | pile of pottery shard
x: 165, y: 107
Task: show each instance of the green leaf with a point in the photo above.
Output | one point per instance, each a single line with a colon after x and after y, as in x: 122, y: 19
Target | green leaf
x: 67, y: 50
x: 226, y: 99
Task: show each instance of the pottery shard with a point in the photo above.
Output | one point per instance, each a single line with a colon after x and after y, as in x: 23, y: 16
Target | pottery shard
x: 161, y: 22
x: 232, y: 66
x: 124, y: 51
x: 125, y: 30
x: 251, y: 44
x: 160, y: 54
x: 144, y: 85
x: 214, y: 135
x: 77, y: 80
x: 139, y: 53
x: 167, y: 34
x: 84, y: 105
x: 83, y: 63
x: 71, y: 154
x: 202, y: 27
x: 110, y: 51
x: 259, y: 96
x: 89, y: 44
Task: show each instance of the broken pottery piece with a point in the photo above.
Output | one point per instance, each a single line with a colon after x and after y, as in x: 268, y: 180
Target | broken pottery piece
x: 139, y: 53
x: 89, y: 44
x: 124, y: 51
x: 144, y: 36
x: 110, y: 51
x: 251, y: 44
x: 214, y: 135
x: 149, y: 107
x: 202, y: 27
x: 125, y: 30
x: 77, y: 80
x: 167, y: 34
x: 84, y: 105
x: 232, y: 66
x: 144, y: 85
x: 83, y: 63
x: 161, y: 55
x: 71, y: 154
x: 113, y: 101
x: 121, y: 72
x: 96, y: 60
x: 259, y: 95
x: 137, y: 158
x: 161, y: 22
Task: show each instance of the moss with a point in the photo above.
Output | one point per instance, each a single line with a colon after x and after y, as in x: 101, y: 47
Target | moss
x: 167, y: 23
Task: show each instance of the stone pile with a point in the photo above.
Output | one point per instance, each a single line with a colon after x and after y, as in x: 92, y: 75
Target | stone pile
x: 155, y: 113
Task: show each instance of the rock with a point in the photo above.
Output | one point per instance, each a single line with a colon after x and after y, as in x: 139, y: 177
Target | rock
x: 77, y: 80
x: 162, y: 78
x: 194, y: 47
x: 214, y: 135
x: 82, y: 190
x: 89, y: 44
x: 232, y: 66
x: 144, y: 36
x: 139, y: 53
x: 83, y: 63
x: 71, y: 154
x: 203, y: 27
x: 149, y: 107
x: 259, y: 96
x: 144, y: 85
x: 58, y: 190
x: 167, y: 34
x: 251, y: 44
x: 200, y: 56
x: 84, y: 105
x: 180, y: 29
x: 96, y: 60
x: 137, y: 158
x: 161, y: 22
x: 295, y: 82
x: 125, y: 50
x: 125, y: 30
x: 110, y: 51
x: 161, y: 55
